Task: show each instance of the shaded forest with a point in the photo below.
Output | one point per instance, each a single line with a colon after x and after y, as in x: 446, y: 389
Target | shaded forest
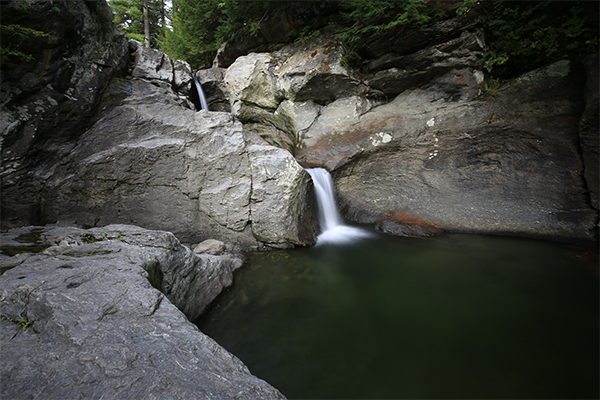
x: 518, y: 35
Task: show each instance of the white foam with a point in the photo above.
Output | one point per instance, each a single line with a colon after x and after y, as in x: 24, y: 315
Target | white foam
x: 335, y: 232
x: 342, y: 234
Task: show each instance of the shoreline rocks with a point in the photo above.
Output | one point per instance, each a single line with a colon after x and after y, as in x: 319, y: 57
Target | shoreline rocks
x: 96, y: 327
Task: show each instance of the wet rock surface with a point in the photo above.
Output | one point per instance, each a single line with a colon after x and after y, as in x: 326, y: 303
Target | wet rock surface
x: 82, y: 320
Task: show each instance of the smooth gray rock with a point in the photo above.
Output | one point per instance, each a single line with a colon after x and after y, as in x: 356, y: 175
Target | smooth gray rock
x: 98, y: 329
x: 210, y: 246
x: 268, y: 91
x: 151, y: 162
x: 509, y: 163
x: 154, y: 64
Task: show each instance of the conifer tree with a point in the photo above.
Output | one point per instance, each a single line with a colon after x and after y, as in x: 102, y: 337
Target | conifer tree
x: 131, y: 18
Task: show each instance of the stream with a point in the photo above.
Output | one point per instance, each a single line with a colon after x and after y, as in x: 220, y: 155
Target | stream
x: 456, y: 316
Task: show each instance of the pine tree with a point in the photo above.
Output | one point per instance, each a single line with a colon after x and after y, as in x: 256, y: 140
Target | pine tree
x: 130, y: 18
x: 192, y: 37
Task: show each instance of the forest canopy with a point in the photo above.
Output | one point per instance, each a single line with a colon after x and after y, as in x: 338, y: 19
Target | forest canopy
x: 514, y: 31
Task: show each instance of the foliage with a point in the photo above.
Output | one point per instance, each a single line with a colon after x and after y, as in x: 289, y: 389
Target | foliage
x: 466, y: 6
x: 22, y: 323
x: 200, y: 26
x: 129, y: 18
x: 512, y: 29
x: 13, y: 35
x: 540, y: 29
x: 193, y: 34
x: 88, y: 238
x: 369, y: 18
x: 364, y: 18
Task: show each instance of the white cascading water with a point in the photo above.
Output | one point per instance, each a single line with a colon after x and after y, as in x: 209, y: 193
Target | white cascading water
x: 333, y: 229
x: 201, y: 96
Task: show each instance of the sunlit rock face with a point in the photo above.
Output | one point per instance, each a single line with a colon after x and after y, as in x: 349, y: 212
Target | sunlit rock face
x: 150, y: 161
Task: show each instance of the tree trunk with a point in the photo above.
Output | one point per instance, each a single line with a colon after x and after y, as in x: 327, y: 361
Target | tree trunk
x: 162, y: 16
x: 146, y: 24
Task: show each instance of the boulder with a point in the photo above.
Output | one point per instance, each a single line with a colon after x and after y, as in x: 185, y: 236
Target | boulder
x: 506, y: 163
x: 281, y: 214
x: 314, y: 70
x: 210, y: 246
x: 154, y: 64
x: 149, y: 161
x: 140, y: 154
x: 276, y: 95
x: 82, y: 320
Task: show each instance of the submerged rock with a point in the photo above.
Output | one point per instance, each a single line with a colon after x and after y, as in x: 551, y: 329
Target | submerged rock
x: 401, y: 224
x: 82, y: 320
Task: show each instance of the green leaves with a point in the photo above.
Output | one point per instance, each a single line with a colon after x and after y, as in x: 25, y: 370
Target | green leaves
x: 22, y: 323
x: 12, y: 36
x: 538, y: 30
x: 366, y: 18
x: 129, y: 18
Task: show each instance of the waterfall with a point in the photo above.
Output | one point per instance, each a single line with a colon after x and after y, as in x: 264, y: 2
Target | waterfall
x: 201, y: 96
x: 332, y: 226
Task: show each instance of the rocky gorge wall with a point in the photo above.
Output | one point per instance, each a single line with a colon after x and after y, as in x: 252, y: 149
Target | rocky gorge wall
x: 142, y: 155
x: 98, y: 130
x: 425, y: 137
x: 422, y: 133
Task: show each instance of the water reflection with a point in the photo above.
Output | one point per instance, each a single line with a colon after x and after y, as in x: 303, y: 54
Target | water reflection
x: 457, y: 317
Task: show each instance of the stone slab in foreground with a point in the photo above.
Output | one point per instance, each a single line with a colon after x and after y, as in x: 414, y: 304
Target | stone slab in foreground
x: 99, y: 329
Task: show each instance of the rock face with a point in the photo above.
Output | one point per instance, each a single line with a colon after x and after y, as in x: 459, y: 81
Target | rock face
x: 153, y: 64
x: 506, y: 164
x: 589, y: 128
x: 95, y: 327
x: 425, y: 134
x: 144, y: 156
x: 214, y: 89
x: 149, y: 161
x: 278, y: 95
x: 47, y: 102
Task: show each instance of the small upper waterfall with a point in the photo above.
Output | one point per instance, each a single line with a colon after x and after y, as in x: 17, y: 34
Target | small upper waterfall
x: 332, y: 226
x: 201, y: 96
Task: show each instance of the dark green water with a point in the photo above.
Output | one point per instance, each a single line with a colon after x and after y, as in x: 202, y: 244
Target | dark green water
x: 461, y: 316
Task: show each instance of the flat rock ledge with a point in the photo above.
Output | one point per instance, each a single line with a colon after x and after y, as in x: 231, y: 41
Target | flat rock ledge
x: 81, y: 319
